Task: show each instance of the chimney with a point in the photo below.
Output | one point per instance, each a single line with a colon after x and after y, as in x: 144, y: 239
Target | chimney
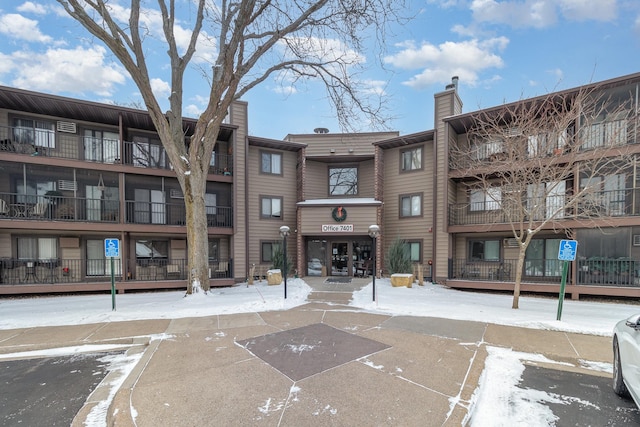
x: 454, y: 82
x: 321, y: 130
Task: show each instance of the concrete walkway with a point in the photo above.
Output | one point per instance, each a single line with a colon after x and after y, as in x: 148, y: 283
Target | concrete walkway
x: 320, y: 364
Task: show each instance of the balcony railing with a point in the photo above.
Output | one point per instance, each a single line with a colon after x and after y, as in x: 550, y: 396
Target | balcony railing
x: 604, y: 204
x: 60, y: 208
x: 59, y: 271
x: 610, y: 133
x: 54, y: 208
x: 174, y: 214
x: 49, y: 143
x: 596, y: 271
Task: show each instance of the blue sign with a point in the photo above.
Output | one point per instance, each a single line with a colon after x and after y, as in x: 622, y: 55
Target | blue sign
x: 111, y: 248
x: 567, y: 250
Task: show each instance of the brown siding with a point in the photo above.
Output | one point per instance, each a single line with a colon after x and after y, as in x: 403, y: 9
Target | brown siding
x: 271, y: 185
x: 397, y: 184
x: 238, y: 249
x: 322, y: 144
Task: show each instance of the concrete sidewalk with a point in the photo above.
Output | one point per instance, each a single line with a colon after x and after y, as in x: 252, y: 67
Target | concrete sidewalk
x: 323, y: 363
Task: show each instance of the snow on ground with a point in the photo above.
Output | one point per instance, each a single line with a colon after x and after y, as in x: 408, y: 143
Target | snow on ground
x: 83, y: 309
x: 493, y: 400
x: 595, y: 318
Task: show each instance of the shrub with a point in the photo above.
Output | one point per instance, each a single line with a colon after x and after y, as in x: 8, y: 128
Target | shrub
x: 277, y: 260
x: 398, y: 259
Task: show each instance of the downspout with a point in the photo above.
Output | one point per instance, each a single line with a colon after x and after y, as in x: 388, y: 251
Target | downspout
x: 434, y: 213
x: 246, y: 203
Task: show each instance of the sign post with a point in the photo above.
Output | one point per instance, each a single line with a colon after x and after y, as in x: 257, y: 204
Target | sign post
x: 112, y: 250
x: 566, y: 253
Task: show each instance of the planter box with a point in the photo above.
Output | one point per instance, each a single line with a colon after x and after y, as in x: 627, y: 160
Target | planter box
x: 398, y: 280
x: 274, y: 277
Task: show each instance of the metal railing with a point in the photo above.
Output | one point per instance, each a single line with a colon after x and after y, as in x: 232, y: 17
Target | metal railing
x: 54, y: 208
x: 596, y: 271
x: 50, y: 143
x: 603, y: 204
x: 174, y: 214
x: 55, y: 271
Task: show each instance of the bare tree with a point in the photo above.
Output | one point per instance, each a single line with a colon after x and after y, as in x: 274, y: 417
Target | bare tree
x: 291, y: 40
x: 541, y: 164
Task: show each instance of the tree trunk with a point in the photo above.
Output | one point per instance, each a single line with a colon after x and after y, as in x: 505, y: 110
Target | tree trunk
x: 197, y: 234
x: 518, y: 278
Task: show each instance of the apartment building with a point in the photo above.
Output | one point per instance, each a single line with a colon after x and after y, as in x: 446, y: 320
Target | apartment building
x: 589, y: 154
x: 75, y: 173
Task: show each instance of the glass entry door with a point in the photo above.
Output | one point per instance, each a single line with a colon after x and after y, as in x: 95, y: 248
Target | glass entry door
x: 340, y: 259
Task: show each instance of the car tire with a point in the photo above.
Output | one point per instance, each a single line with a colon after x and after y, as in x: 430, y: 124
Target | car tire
x: 618, y: 380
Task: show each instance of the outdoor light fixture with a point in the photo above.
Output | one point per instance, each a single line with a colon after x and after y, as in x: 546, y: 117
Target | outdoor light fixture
x: 374, y: 232
x: 284, y: 232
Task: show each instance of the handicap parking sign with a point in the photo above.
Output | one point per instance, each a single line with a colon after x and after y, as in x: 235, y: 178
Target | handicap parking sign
x: 567, y: 250
x: 111, y: 248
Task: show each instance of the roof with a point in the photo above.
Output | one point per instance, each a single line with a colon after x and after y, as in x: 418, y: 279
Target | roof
x: 461, y: 122
x: 275, y: 144
x: 75, y: 109
x: 412, y: 138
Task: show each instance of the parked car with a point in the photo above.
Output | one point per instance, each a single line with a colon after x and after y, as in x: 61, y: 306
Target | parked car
x: 626, y: 358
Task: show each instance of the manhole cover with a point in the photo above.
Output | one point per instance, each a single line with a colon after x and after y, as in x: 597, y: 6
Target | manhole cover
x: 338, y: 280
x: 302, y: 352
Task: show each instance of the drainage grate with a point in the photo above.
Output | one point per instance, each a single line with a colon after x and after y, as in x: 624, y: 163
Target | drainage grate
x: 302, y: 352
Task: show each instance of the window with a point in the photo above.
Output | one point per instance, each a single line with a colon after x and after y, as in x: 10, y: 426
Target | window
x: 411, y: 205
x: 485, y: 150
x: 414, y: 250
x: 343, y: 181
x: 268, y: 250
x: 271, y: 163
x: 40, y: 248
x: 546, y: 200
x: 101, y: 146
x: 607, y: 195
x: 149, y: 206
x: 96, y: 263
x: 37, y: 132
x: 148, y: 153
x: 214, y: 249
x: 271, y: 207
x: 485, y: 250
x: 411, y: 159
x: 150, y: 250
x: 485, y: 200
x: 541, y: 258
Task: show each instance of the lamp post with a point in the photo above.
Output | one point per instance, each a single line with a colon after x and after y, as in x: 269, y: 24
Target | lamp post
x: 284, y: 232
x: 374, y: 232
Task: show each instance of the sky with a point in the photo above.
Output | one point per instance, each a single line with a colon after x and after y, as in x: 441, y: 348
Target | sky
x: 492, y: 403
x: 502, y: 51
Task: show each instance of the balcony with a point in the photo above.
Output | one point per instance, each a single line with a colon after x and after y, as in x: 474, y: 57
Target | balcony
x: 595, y: 271
x: 93, y: 271
x: 57, y: 208
x: 604, y: 204
x: 174, y: 214
x: 63, y: 145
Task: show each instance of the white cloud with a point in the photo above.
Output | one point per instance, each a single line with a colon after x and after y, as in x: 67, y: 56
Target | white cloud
x: 31, y: 7
x: 192, y: 110
x: 584, y: 10
x: 541, y: 13
x: 68, y: 70
x: 21, y: 28
x: 464, y: 59
x: 160, y: 88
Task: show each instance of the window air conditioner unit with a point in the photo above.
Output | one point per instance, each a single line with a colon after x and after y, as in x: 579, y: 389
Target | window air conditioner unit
x: 636, y: 240
x: 64, y: 184
x: 176, y: 194
x: 511, y: 243
x: 68, y: 127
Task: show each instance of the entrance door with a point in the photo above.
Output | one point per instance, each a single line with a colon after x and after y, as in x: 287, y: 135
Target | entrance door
x: 340, y: 259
